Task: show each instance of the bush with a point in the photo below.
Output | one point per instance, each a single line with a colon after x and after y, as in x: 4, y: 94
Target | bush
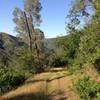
x: 68, y: 46
x: 86, y: 88
x: 58, y: 62
x: 10, y: 78
x: 98, y: 96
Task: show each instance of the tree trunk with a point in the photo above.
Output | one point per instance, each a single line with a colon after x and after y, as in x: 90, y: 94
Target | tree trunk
x: 29, y: 33
x: 36, y: 47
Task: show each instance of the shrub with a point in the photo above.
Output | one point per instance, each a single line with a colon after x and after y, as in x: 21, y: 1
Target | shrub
x: 86, y: 88
x: 98, y: 96
x: 58, y: 62
x: 10, y: 78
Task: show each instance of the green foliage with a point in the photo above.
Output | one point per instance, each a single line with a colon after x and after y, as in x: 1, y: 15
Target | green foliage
x: 98, y: 96
x: 89, y: 47
x: 33, y: 8
x: 10, y: 78
x: 25, y: 60
x: 88, y: 50
x: 69, y: 46
x: 77, y: 12
x: 26, y: 19
x: 58, y: 62
x: 87, y: 89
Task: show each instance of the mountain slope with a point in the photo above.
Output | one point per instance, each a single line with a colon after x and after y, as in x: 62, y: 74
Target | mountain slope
x: 7, y: 40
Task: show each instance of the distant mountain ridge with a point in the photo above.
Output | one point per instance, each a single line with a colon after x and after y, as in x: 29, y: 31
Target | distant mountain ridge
x: 5, y: 38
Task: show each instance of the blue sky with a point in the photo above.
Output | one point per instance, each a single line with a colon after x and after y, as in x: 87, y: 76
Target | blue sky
x: 53, y: 15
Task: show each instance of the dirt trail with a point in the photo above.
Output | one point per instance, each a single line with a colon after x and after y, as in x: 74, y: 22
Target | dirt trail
x: 55, y: 85
x: 58, y: 88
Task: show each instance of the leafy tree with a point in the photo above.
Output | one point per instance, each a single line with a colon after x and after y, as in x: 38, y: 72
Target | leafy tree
x: 78, y: 10
x: 90, y: 42
x: 25, y: 21
x: 69, y: 46
x: 39, y: 49
x: 88, y: 51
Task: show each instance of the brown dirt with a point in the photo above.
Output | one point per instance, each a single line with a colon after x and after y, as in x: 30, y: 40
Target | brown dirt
x: 57, y: 88
x: 1, y: 98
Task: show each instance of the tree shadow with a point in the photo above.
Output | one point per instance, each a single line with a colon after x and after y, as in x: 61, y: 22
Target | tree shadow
x: 41, y: 95
x: 47, y: 80
x: 97, y: 65
x: 59, y: 95
x: 31, y: 96
x: 38, y: 96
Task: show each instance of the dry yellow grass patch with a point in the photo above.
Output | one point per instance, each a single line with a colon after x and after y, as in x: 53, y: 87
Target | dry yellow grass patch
x: 90, y: 71
x: 52, y: 84
x: 49, y: 86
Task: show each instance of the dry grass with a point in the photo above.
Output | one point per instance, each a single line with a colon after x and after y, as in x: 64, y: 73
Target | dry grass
x: 49, y: 86
x: 46, y: 76
x: 90, y: 71
x: 44, y: 86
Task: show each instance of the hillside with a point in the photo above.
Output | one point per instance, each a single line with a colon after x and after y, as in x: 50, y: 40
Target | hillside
x: 51, y: 43
x: 9, y: 40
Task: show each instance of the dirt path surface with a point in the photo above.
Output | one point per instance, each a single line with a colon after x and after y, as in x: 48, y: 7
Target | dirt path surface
x: 45, y: 86
x: 52, y: 85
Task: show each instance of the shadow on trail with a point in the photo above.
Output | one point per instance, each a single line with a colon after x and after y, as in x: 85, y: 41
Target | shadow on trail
x: 31, y: 96
x: 39, y: 96
x: 59, y: 95
x: 47, y: 80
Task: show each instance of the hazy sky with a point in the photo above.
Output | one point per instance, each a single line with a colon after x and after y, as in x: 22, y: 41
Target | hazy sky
x: 53, y: 16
